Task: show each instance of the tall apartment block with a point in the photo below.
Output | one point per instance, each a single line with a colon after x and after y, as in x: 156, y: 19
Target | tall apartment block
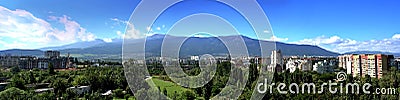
x: 52, y: 54
x: 374, y: 65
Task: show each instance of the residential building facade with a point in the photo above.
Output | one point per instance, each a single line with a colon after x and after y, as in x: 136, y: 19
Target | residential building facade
x: 374, y: 65
x: 30, y: 62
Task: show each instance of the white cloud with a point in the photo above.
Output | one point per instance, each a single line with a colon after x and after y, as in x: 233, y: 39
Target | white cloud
x: 158, y: 28
x: 132, y: 33
x: 150, y: 34
x: 267, y: 31
x: 202, y: 35
x: 20, y: 28
x: 107, y: 40
x: 119, y: 20
x: 274, y: 38
x: 15, y: 44
x: 72, y: 30
x: 323, y: 40
x: 119, y: 33
x: 396, y: 36
x: 338, y: 44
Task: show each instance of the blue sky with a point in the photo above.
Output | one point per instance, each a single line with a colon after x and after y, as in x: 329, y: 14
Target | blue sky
x: 336, y: 25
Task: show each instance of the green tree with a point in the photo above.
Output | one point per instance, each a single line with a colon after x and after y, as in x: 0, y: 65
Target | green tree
x: 18, y: 82
x: 80, y: 80
x: 51, y: 69
x: 165, y: 92
x: 12, y: 93
x: 32, y: 78
x: 60, y: 85
x: 207, y: 91
x: 96, y: 96
x: 188, y: 95
x: 45, y: 96
x: 118, y: 93
x: 15, y: 70
x: 69, y: 94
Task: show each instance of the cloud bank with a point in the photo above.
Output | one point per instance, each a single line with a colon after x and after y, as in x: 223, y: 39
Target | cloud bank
x: 131, y: 32
x: 21, y: 29
x: 342, y: 45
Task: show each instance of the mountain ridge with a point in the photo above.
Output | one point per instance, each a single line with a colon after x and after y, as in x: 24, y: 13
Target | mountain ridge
x: 83, y: 44
x: 192, y: 46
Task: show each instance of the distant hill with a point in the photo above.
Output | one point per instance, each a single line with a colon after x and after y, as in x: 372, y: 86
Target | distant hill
x: 213, y: 45
x: 22, y: 52
x: 192, y: 46
x: 84, y: 44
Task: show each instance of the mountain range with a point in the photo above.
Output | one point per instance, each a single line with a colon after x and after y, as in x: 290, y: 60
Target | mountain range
x: 84, y: 44
x: 192, y: 46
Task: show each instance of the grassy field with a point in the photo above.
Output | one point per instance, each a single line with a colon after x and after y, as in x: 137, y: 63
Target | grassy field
x: 169, y: 86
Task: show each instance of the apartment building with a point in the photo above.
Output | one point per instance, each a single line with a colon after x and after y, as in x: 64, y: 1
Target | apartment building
x: 9, y: 61
x: 276, y: 64
x: 345, y: 62
x: 30, y: 62
x: 374, y: 65
x: 301, y: 64
x: 52, y: 54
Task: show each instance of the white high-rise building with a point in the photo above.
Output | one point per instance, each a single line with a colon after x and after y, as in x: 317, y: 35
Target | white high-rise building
x: 276, y: 61
x: 276, y: 57
x: 345, y: 62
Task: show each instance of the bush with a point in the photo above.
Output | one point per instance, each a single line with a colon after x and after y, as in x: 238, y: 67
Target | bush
x: 118, y: 93
x: 12, y: 93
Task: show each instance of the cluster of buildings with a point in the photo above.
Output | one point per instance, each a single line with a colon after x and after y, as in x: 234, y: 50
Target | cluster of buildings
x: 325, y: 65
x: 374, y: 65
x: 30, y: 62
x: 293, y: 63
x: 302, y: 64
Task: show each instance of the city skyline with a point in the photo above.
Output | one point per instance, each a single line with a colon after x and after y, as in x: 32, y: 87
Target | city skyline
x: 338, y: 26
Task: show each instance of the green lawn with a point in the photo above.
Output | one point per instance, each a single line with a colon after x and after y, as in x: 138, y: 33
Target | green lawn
x: 169, y: 86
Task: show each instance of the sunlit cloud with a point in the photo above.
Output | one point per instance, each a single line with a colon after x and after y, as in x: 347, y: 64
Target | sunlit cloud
x: 341, y: 45
x: 29, y: 32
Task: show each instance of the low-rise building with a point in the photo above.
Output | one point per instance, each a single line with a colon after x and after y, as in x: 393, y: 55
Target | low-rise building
x: 291, y: 65
x: 296, y: 63
x: 80, y: 89
x: 3, y: 86
x: 44, y: 90
x: 305, y: 65
x: 322, y: 67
